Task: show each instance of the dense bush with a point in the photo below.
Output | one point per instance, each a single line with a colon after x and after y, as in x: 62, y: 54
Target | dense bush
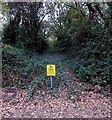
x: 94, y: 63
x: 93, y: 71
x: 19, y: 66
x: 88, y: 41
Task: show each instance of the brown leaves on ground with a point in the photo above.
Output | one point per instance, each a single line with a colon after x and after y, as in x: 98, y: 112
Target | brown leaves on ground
x: 15, y: 104
x: 83, y: 103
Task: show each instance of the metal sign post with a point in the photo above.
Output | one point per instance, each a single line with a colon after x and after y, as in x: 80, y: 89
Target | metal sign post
x: 51, y: 71
x: 51, y: 81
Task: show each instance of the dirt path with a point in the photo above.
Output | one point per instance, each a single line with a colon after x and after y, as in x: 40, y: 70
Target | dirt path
x: 60, y: 103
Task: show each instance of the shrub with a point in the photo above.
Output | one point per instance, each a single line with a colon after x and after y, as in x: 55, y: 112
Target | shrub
x: 18, y: 63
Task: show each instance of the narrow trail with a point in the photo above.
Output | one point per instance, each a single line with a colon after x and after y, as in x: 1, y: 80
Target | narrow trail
x: 72, y: 100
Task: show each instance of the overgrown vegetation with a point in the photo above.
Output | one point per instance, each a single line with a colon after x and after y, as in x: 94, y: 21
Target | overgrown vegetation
x: 25, y: 69
x: 18, y: 67
x: 86, y: 38
x: 81, y: 31
x: 74, y: 36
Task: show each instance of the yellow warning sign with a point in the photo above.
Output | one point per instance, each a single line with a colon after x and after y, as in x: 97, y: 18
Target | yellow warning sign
x: 51, y: 70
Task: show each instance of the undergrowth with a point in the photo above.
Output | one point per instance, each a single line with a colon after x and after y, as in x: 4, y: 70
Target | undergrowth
x: 92, y: 66
x: 27, y: 71
x: 19, y: 67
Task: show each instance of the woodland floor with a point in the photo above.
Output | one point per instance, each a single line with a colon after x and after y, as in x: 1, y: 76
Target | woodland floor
x: 83, y: 104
